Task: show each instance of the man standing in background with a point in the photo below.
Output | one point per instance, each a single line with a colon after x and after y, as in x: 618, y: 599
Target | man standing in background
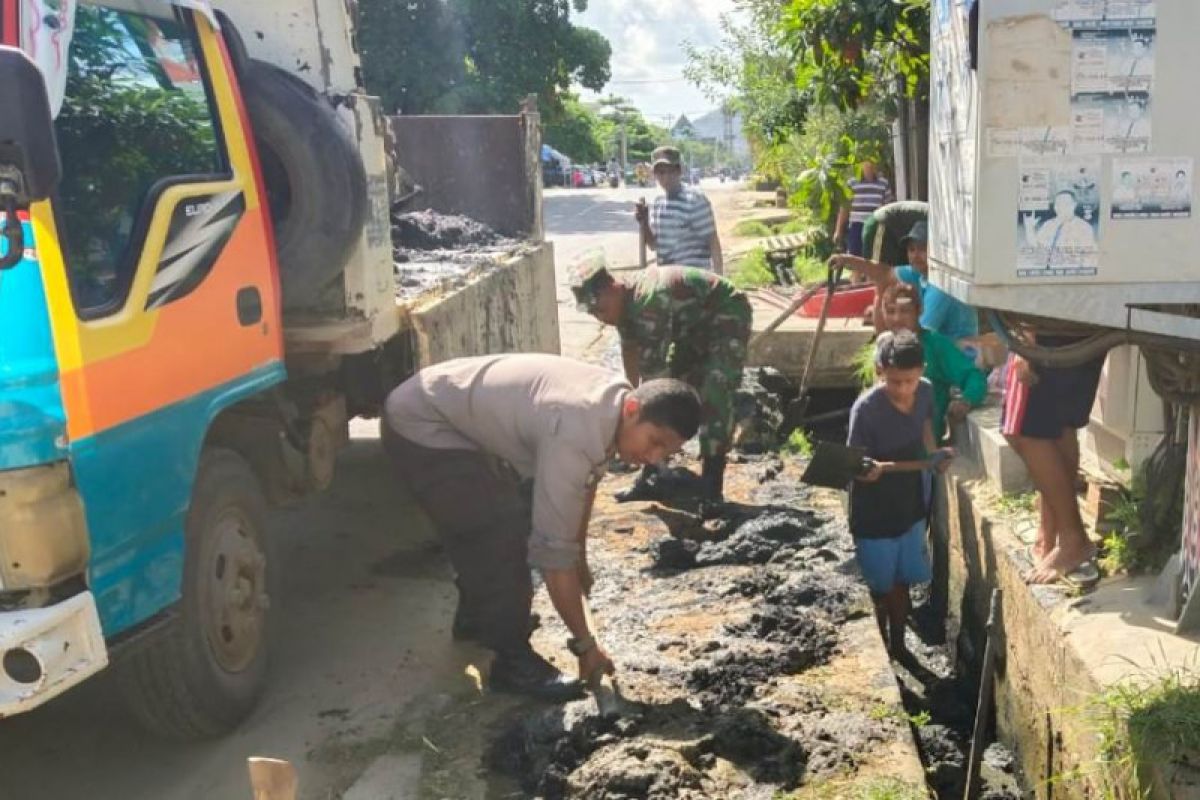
x: 869, y: 193
x: 680, y: 226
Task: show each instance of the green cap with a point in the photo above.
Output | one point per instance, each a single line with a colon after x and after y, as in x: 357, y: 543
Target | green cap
x: 588, y: 276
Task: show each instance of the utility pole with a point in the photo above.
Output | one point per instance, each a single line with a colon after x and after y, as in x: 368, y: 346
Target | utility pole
x: 624, y: 147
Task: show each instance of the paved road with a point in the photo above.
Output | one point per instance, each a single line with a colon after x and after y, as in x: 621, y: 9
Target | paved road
x: 361, y: 646
x: 582, y: 222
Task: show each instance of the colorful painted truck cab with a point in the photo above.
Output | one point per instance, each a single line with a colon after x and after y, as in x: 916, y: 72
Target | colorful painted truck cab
x: 196, y: 293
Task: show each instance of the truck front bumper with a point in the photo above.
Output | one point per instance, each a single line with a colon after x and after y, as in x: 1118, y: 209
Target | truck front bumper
x: 45, y: 651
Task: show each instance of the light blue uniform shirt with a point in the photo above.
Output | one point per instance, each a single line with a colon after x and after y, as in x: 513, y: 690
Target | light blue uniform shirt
x: 939, y: 311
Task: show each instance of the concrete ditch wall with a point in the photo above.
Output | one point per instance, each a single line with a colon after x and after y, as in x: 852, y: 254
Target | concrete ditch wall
x: 1059, y: 650
x: 510, y: 309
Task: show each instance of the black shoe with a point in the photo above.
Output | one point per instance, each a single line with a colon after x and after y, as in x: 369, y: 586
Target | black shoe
x: 525, y: 672
x: 466, y: 629
x: 644, y: 488
x: 711, y: 509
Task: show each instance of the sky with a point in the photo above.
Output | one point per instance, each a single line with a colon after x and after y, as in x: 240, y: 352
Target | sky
x: 647, y: 40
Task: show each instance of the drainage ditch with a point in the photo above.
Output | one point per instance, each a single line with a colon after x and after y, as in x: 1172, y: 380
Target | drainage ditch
x: 741, y: 644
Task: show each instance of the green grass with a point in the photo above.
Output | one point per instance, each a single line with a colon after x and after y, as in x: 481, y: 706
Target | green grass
x: 1146, y: 722
x: 752, y: 271
x: 872, y: 789
x: 809, y: 269
x: 1017, y: 504
x: 801, y: 225
x: 752, y: 227
x: 798, y: 444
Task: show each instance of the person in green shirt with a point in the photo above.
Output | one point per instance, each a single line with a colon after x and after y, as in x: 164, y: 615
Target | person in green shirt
x: 684, y: 323
x: 946, y: 366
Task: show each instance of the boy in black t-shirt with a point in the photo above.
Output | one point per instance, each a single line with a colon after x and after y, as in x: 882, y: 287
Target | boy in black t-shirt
x: 894, y: 422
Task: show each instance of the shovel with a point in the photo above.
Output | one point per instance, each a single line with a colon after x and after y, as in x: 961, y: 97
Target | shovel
x: 641, y: 239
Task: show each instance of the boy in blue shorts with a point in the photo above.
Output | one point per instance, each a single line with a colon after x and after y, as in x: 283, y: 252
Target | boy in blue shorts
x: 894, y: 423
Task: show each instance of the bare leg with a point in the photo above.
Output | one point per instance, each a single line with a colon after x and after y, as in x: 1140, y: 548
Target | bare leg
x: 1055, y: 482
x: 898, y: 605
x: 1047, y: 534
x: 881, y: 616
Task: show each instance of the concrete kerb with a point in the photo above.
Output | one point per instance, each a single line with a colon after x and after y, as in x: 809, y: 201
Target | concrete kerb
x: 1060, y: 650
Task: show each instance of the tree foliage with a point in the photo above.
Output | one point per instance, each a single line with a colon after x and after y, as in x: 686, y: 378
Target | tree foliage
x: 818, y: 84
x: 575, y: 131
x: 124, y: 126
x: 477, y: 56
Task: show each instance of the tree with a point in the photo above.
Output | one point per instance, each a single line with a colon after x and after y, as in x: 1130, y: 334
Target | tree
x: 574, y: 130
x: 818, y: 83
x: 413, y: 52
x: 477, y: 56
x: 623, y: 119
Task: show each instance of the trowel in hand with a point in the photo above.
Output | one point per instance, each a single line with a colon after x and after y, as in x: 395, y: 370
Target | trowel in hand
x: 610, y: 704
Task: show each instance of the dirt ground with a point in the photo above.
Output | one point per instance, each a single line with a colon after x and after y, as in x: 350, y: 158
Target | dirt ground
x: 746, y: 651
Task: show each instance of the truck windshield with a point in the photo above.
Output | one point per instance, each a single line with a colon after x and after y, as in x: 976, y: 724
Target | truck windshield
x: 136, y: 113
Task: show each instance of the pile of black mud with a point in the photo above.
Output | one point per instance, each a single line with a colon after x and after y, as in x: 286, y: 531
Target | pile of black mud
x: 727, y: 721
x: 666, y: 752
x: 750, y: 535
x: 434, y: 250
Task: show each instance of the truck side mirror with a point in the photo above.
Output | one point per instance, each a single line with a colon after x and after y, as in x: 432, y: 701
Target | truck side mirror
x: 29, y: 163
x: 28, y: 152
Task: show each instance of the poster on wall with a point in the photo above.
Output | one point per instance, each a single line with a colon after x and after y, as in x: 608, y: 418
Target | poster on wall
x: 1105, y: 13
x: 1112, y: 61
x: 1151, y: 188
x: 1110, y: 123
x: 1058, y: 217
x: 1112, y: 77
x: 1043, y: 141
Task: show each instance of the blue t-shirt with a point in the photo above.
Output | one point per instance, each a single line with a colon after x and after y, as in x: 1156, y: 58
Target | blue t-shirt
x: 939, y: 311
x: 894, y: 503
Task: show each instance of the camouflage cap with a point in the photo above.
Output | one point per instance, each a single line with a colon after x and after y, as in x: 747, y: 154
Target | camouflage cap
x: 588, y: 276
x: 667, y: 156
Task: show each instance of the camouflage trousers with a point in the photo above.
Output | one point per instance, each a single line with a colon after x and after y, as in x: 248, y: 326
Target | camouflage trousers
x: 713, y: 367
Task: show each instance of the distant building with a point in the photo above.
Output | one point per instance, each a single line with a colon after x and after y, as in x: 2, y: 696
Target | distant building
x: 683, y: 128
x: 725, y: 128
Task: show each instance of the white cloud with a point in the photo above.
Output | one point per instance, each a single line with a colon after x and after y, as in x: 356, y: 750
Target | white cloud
x: 647, y: 39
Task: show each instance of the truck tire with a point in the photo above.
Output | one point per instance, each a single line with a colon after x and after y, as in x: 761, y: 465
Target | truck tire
x: 315, y: 180
x: 203, y: 673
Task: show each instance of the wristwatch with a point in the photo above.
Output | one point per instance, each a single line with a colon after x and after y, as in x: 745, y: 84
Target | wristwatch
x: 579, y: 647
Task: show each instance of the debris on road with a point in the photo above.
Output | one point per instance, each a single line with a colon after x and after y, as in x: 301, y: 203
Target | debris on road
x: 721, y: 630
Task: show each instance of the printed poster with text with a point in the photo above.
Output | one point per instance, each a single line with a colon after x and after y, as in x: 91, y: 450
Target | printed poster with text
x: 1112, y: 78
x: 1151, y: 188
x: 1105, y: 13
x: 1058, y: 217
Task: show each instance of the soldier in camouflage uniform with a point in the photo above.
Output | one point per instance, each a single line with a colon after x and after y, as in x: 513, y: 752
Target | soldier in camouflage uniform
x: 679, y: 322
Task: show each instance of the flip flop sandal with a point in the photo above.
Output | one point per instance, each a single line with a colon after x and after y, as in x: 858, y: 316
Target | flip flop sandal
x: 1085, y: 576
x: 1026, y: 530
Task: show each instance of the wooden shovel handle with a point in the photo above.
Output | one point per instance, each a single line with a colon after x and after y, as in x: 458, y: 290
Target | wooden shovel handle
x: 272, y: 779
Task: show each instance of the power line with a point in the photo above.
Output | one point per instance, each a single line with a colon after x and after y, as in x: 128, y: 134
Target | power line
x: 649, y: 80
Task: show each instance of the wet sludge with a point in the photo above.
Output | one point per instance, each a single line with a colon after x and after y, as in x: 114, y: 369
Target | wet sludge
x: 718, y: 709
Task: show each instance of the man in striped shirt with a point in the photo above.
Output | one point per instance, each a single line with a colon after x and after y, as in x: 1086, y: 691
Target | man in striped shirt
x: 680, y: 225
x: 870, y: 192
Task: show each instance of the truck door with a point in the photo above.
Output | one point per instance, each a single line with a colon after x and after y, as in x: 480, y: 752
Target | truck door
x: 161, y: 282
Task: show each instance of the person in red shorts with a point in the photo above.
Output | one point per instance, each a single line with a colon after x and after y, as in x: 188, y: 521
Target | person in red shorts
x: 1044, y: 408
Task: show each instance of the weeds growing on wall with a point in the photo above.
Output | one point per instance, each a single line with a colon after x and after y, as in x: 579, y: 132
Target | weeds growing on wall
x: 1143, y: 724
x: 864, y: 365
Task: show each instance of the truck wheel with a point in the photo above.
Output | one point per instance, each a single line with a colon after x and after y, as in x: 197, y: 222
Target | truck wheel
x: 316, y: 184
x: 202, y: 675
